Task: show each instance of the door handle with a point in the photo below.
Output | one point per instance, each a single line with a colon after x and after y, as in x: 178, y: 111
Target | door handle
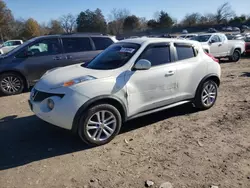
x: 169, y: 73
x: 220, y: 44
x: 57, y: 58
x: 69, y: 57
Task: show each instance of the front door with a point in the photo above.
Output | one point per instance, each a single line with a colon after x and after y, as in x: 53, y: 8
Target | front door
x: 40, y: 57
x: 215, y: 46
x: 153, y: 88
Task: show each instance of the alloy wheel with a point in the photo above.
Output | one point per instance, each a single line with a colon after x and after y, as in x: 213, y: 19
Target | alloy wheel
x: 11, y: 84
x: 209, y: 94
x: 101, y: 125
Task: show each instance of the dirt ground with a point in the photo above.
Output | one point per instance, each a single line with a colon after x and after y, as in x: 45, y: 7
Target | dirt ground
x: 187, y: 148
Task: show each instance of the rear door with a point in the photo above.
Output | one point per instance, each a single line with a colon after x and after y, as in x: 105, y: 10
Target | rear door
x: 46, y: 54
x: 190, y: 70
x: 77, y: 50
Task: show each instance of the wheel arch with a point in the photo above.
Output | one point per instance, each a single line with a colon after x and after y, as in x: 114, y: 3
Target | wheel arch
x: 213, y: 77
x: 26, y: 83
x: 104, y: 99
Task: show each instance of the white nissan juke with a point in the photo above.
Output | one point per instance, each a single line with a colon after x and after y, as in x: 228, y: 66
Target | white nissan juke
x: 131, y: 78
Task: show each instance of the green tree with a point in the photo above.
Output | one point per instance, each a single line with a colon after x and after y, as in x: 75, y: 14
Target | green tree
x: 238, y: 20
x: 117, y: 17
x: 131, y: 23
x: 6, y: 20
x: 152, y: 24
x: 165, y: 20
x: 32, y: 29
x: 91, y: 21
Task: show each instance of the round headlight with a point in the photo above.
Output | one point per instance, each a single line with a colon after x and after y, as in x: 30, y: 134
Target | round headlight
x: 50, y: 104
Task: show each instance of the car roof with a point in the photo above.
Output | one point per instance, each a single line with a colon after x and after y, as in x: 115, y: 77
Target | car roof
x: 210, y: 34
x: 75, y: 35
x: 155, y: 40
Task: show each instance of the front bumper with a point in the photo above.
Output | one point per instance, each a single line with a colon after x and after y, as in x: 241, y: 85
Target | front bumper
x: 66, y: 104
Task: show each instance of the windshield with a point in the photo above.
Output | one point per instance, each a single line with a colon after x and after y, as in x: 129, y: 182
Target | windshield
x: 202, y: 38
x: 113, y: 57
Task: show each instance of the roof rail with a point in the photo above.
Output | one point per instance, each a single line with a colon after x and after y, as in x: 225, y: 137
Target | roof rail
x: 82, y: 33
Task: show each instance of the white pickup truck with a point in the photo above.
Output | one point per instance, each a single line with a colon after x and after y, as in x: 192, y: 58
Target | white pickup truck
x: 219, y: 46
x: 9, y: 45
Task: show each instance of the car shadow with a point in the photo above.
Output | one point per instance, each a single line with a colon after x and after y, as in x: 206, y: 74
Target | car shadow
x: 27, y: 139
x: 245, y: 74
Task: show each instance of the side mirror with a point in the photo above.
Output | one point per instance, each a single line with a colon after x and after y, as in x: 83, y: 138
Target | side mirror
x: 212, y: 41
x: 30, y: 53
x: 142, y: 64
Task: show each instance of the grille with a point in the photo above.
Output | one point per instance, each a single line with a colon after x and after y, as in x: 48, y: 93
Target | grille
x: 39, y: 96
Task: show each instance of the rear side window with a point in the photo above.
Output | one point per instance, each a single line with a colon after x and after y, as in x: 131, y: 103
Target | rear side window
x: 102, y: 43
x: 185, y: 52
x: 157, y: 55
x: 71, y: 45
x: 14, y: 43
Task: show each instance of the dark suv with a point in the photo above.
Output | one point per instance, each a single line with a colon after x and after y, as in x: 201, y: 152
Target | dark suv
x: 25, y: 65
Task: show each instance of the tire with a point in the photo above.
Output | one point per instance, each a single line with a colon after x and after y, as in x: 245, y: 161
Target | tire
x: 200, y: 101
x: 236, y: 56
x: 91, y: 114
x: 11, y: 84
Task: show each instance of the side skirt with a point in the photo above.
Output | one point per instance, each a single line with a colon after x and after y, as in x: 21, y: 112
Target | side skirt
x: 158, y: 109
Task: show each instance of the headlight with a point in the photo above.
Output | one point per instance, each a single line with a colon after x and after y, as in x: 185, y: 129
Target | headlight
x: 77, y: 81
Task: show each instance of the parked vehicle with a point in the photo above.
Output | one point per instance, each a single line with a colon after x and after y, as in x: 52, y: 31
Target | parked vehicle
x: 245, y: 27
x: 184, y: 31
x: 229, y: 28
x: 212, y: 30
x: 236, y: 29
x: 23, y: 66
x: 129, y: 79
x: 219, y: 46
x: 247, y: 45
x: 9, y: 45
x: 188, y: 36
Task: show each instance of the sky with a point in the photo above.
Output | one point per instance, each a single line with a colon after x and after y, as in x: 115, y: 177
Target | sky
x: 45, y: 10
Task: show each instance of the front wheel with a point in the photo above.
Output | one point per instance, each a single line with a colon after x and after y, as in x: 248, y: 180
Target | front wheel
x: 99, y: 124
x: 11, y: 84
x: 206, y: 95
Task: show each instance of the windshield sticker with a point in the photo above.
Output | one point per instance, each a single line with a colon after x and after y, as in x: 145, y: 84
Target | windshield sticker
x: 127, y: 50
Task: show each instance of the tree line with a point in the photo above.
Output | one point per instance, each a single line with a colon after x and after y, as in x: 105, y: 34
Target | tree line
x: 118, y: 21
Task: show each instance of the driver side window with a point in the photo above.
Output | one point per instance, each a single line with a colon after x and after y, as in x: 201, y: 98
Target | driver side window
x: 42, y: 48
x: 216, y: 38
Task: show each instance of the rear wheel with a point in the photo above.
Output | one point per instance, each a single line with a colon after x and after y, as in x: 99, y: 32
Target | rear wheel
x: 206, y: 95
x: 236, y: 56
x: 99, y: 124
x: 11, y: 84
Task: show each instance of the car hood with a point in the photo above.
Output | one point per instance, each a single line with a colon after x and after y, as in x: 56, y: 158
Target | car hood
x: 56, y: 77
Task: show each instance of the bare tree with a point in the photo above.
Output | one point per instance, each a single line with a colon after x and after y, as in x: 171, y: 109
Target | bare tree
x: 224, y: 13
x: 116, y: 18
x: 191, y: 19
x: 68, y: 23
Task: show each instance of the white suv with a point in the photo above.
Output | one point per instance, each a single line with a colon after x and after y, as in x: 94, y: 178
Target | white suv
x: 129, y: 79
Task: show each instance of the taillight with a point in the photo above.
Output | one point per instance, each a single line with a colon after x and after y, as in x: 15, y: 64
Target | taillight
x: 217, y: 60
